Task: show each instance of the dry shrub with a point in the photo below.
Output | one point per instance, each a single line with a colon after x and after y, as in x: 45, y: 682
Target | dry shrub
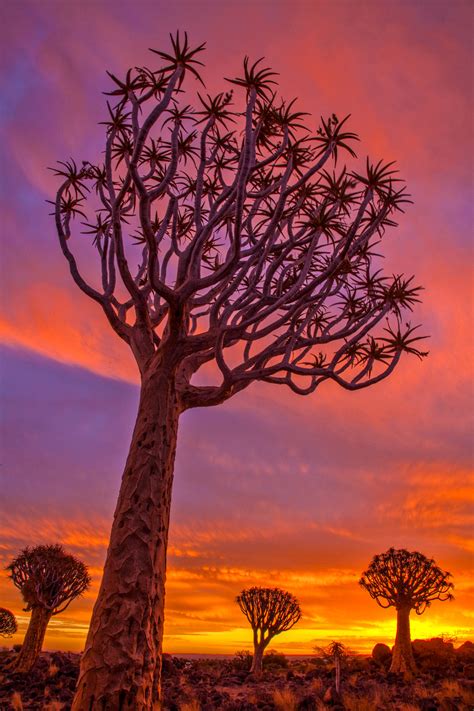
x: 16, y: 701
x: 467, y: 695
x: 421, y: 691
x: 193, y: 705
x: 452, y: 687
x: 53, y: 669
x: 353, y: 702
x: 320, y: 706
x: 285, y: 700
x: 408, y: 707
x: 367, y: 702
x: 53, y: 706
x: 317, y: 686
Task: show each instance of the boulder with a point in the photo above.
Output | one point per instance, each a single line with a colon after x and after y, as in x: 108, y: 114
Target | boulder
x: 436, y: 655
x: 468, y: 671
x: 465, y: 652
x: 381, y: 654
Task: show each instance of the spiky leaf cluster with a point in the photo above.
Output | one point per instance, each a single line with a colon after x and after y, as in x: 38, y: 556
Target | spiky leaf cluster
x: 269, y: 610
x: 230, y: 230
x: 402, y: 579
x: 48, y: 577
x: 332, y: 651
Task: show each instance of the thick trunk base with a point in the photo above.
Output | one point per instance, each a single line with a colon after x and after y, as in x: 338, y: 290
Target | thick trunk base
x: 257, y: 663
x: 33, y: 642
x: 403, y: 660
x: 121, y: 665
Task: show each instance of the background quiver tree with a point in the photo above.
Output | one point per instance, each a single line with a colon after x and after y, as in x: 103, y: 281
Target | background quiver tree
x: 406, y: 581
x: 49, y: 579
x: 334, y: 652
x: 270, y: 611
x: 227, y: 237
x: 8, y: 624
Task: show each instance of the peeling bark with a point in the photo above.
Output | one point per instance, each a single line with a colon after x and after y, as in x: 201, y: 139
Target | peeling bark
x: 33, y: 642
x: 121, y: 664
x: 402, y: 655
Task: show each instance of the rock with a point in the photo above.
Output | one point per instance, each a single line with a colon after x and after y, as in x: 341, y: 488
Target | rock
x: 465, y: 652
x: 468, y: 671
x: 233, y: 680
x: 428, y: 705
x: 308, y: 703
x: 394, y: 678
x: 436, y: 644
x: 434, y: 655
x: 381, y: 654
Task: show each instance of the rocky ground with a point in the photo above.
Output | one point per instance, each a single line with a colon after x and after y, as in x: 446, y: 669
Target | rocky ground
x: 445, y: 683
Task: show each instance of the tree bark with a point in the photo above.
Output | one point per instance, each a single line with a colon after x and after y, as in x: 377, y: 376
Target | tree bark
x: 402, y: 655
x: 338, y: 674
x: 257, y: 663
x: 33, y: 642
x: 121, y: 665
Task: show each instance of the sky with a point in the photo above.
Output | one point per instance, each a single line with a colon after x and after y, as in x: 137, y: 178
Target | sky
x: 270, y: 488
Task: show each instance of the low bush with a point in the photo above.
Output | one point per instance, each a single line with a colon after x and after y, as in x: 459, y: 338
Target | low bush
x: 274, y: 660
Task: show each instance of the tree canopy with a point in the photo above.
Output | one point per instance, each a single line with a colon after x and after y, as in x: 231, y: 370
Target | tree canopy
x: 255, y: 246
x: 399, y: 578
x: 269, y: 610
x: 48, y: 577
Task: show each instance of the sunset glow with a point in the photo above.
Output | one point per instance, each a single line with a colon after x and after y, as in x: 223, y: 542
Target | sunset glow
x: 270, y: 488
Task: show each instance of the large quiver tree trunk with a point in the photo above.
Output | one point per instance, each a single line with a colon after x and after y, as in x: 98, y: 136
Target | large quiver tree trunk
x: 121, y: 664
x: 33, y: 642
x: 259, y: 649
x: 257, y: 661
x: 402, y: 655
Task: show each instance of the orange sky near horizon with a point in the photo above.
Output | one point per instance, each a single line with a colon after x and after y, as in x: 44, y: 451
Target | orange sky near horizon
x: 271, y: 488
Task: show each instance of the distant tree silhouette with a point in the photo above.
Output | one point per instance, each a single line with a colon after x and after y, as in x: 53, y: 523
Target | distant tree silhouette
x: 255, y: 256
x: 270, y: 611
x: 8, y: 625
x: 49, y: 579
x: 335, y: 652
x: 406, y: 581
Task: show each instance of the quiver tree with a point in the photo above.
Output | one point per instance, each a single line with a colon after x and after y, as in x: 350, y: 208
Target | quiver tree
x: 335, y: 652
x: 8, y: 625
x: 270, y: 611
x: 49, y: 579
x: 226, y: 238
x: 406, y: 581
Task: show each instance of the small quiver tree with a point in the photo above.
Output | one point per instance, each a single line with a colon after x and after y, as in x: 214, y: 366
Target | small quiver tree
x: 8, y: 625
x: 406, y: 581
x: 49, y: 579
x: 335, y: 652
x: 270, y: 611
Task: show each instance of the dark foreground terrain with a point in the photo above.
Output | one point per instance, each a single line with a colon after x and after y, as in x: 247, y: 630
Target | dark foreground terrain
x: 445, y: 683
